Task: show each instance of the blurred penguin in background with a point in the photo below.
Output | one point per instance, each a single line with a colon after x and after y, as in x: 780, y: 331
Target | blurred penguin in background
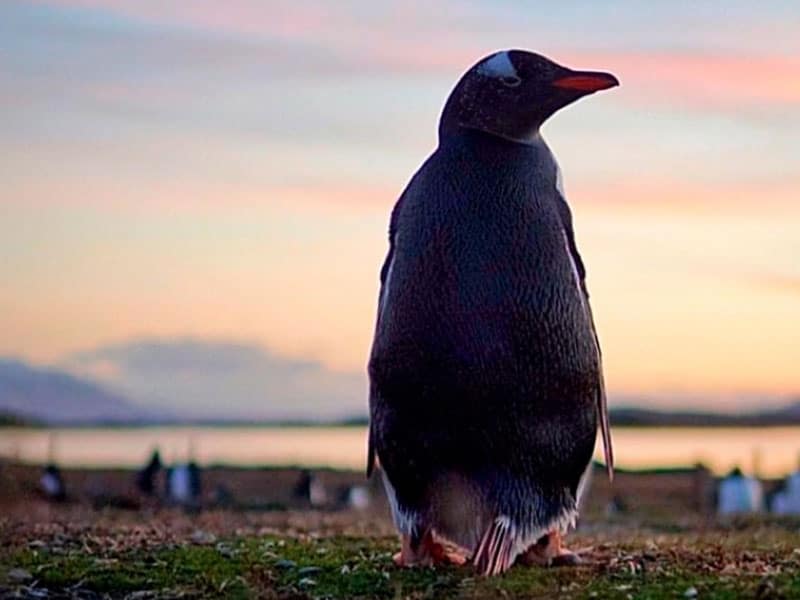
x: 355, y: 497
x: 786, y: 500
x: 184, y: 482
x: 146, y: 477
x: 310, y: 489
x: 51, y: 483
x: 739, y: 494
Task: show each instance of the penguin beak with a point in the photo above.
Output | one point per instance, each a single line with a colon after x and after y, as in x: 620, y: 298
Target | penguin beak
x: 586, y: 82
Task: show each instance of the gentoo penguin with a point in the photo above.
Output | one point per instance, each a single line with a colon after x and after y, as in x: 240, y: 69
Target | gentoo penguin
x: 486, y: 385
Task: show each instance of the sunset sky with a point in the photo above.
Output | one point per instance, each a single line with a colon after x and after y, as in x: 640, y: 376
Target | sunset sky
x: 219, y: 175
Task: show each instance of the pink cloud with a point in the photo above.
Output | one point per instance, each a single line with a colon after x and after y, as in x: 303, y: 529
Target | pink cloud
x: 414, y: 39
x: 182, y: 195
x: 315, y: 22
x: 702, y: 80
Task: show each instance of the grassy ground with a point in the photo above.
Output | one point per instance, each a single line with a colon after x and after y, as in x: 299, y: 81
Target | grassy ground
x: 660, y: 542
x: 168, y: 559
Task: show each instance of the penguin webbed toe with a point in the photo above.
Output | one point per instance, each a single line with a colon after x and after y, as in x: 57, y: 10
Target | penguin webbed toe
x: 548, y: 551
x: 428, y: 551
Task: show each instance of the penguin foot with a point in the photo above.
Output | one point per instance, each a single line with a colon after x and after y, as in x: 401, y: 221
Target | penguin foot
x: 427, y: 552
x: 548, y: 551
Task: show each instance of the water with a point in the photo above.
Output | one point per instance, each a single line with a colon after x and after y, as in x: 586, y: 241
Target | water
x: 773, y: 451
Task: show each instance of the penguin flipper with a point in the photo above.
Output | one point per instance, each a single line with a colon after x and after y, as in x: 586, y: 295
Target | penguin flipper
x: 370, y: 454
x: 384, y: 275
x: 602, y: 413
x: 387, y: 263
x: 600, y: 399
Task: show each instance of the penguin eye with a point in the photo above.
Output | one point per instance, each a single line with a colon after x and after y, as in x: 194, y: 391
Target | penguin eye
x: 511, y: 80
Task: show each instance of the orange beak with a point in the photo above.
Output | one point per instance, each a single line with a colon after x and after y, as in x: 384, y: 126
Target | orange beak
x: 586, y: 81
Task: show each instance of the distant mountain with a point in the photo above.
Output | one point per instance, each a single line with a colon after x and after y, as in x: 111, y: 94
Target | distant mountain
x: 55, y: 397
x: 790, y: 412
x: 36, y: 395
x: 642, y: 417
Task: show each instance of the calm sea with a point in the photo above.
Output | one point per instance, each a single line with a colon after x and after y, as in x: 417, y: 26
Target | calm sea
x: 773, y: 451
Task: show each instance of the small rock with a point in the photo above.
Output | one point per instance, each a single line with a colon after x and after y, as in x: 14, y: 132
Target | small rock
x: 690, y: 592
x: 306, y: 582
x: 226, y: 551
x: 141, y: 595
x: 202, y: 538
x: 285, y: 564
x: 19, y: 575
x: 765, y: 590
x: 308, y: 571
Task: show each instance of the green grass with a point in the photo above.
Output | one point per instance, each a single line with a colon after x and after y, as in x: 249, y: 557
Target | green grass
x: 728, y: 565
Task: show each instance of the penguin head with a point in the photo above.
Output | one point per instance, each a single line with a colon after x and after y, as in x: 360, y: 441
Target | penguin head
x: 511, y: 93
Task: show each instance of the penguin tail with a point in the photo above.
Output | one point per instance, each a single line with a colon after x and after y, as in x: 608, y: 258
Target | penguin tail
x: 496, y: 550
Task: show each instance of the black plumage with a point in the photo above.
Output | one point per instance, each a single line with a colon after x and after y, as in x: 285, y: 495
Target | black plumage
x: 485, y: 372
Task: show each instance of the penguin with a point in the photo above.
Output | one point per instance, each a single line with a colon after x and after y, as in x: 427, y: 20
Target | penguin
x: 146, y: 476
x: 51, y: 484
x: 486, y: 385
x: 739, y: 494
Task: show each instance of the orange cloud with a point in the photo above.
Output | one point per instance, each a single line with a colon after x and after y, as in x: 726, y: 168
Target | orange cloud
x: 775, y: 281
x: 686, y: 197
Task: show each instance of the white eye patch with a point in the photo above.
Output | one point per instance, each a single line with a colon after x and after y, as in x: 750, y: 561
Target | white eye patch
x: 499, y: 65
